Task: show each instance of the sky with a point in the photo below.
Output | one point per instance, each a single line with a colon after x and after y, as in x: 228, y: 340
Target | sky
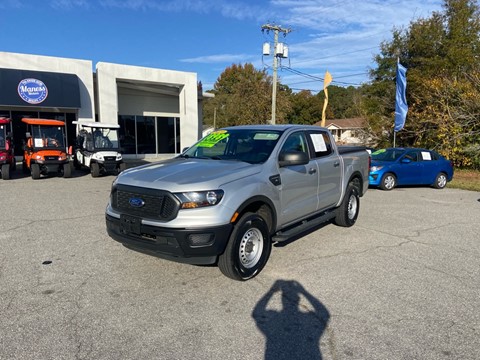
x: 206, y: 37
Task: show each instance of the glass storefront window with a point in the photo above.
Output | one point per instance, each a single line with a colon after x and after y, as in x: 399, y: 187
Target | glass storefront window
x: 149, y: 134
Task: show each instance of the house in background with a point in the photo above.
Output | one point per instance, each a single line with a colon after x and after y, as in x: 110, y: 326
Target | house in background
x: 346, y: 131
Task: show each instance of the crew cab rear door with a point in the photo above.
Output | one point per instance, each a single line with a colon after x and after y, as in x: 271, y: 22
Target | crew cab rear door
x: 329, y: 166
x: 298, y: 193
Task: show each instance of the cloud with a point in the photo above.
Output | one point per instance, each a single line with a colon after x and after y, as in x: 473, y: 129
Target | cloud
x: 70, y: 4
x: 220, y: 58
x: 230, y: 9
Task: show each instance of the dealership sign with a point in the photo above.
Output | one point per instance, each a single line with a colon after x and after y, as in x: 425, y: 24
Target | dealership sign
x: 32, y: 91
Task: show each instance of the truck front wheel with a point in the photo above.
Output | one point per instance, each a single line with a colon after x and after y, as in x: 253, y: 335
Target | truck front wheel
x: 347, y: 212
x: 95, y: 169
x: 5, y: 171
x: 248, y: 248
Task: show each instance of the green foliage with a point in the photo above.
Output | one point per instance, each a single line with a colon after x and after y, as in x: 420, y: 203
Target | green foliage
x: 243, y: 96
x: 443, y: 84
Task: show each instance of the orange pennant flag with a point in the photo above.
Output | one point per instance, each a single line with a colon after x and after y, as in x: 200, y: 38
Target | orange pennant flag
x: 326, y: 81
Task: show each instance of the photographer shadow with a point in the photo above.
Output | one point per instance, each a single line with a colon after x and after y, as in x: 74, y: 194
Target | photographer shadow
x: 294, y: 331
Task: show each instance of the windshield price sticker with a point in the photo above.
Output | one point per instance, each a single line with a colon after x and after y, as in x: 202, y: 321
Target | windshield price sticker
x: 212, y: 139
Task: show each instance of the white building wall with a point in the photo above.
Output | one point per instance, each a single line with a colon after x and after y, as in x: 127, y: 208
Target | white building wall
x: 81, y: 68
x: 107, y: 92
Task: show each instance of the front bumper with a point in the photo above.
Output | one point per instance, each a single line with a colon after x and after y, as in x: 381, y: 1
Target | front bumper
x: 193, y: 246
x: 109, y: 165
x: 50, y: 166
x: 374, y: 179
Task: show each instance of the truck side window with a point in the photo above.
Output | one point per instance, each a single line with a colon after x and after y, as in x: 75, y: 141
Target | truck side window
x: 322, y: 145
x: 295, y: 142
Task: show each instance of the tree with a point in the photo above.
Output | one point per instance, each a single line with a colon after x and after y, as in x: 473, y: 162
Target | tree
x: 440, y: 53
x: 243, y: 96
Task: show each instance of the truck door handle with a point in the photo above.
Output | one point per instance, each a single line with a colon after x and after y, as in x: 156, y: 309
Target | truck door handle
x: 336, y: 164
x: 312, y: 171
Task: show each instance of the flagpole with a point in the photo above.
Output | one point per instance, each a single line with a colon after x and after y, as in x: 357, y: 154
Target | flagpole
x: 394, y: 132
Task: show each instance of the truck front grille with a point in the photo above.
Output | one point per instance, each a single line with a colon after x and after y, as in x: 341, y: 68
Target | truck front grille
x: 146, y: 203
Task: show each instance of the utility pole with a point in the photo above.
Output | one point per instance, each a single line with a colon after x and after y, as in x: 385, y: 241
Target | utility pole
x: 276, y: 53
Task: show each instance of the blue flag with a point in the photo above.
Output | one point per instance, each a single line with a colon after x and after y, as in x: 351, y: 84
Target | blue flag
x: 401, y: 106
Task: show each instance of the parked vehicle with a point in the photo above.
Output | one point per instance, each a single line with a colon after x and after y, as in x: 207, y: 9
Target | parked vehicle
x: 228, y: 197
x: 98, y: 149
x: 409, y: 166
x: 7, y: 158
x: 45, y: 148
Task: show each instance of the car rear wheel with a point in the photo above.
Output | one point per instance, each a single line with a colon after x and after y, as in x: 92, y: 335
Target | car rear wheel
x: 440, y: 181
x: 389, y: 181
x: 5, y: 171
x: 248, y: 248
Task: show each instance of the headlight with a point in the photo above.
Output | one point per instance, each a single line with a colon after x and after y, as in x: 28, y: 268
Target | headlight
x: 97, y: 156
x: 3, y: 157
x: 376, y: 168
x: 39, y: 157
x: 196, y: 199
x: 62, y: 157
x: 119, y: 157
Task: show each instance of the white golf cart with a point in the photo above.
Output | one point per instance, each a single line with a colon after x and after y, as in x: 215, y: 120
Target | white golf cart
x: 98, y: 148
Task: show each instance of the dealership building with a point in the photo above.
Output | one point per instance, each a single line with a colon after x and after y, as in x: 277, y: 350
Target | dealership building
x: 159, y: 111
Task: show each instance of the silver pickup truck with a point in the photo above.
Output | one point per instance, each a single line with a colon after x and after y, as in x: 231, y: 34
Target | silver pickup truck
x: 227, y: 198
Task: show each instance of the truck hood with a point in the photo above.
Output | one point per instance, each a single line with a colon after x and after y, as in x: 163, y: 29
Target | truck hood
x: 181, y: 174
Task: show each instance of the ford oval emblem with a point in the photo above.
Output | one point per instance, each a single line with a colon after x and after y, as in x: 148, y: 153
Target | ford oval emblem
x: 136, y: 202
x: 32, y: 91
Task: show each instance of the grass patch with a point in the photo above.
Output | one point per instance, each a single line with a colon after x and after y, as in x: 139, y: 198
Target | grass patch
x: 466, y: 180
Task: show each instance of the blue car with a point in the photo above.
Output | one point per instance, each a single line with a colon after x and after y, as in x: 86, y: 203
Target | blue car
x: 409, y: 166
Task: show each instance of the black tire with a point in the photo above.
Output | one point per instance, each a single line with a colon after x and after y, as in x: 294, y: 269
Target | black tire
x: 6, y: 171
x: 389, y: 182
x: 122, y: 166
x: 95, y: 169
x: 248, y: 248
x: 76, y: 164
x: 346, y: 214
x: 440, y: 181
x: 35, y: 168
x: 67, y: 170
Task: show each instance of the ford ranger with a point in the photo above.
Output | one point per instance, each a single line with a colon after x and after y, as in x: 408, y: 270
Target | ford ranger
x: 228, y: 197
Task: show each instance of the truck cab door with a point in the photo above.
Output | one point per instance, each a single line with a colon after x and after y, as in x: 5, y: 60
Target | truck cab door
x: 330, y: 170
x: 299, y: 183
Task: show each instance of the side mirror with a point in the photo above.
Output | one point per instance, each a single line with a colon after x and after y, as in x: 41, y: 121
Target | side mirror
x: 406, y: 161
x: 291, y: 158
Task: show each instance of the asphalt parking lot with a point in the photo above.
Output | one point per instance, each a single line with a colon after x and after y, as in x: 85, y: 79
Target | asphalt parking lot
x: 403, y: 283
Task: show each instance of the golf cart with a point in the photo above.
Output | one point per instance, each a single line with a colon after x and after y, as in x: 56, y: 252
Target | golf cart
x: 7, y: 159
x: 45, y: 150
x: 98, y: 149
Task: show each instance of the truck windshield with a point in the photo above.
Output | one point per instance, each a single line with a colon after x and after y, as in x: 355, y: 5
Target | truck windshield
x: 252, y: 146
x: 48, y: 137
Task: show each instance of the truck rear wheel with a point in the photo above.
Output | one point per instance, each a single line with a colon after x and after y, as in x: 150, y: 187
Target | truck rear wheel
x: 35, y: 168
x: 347, y: 212
x: 248, y: 248
x: 5, y: 171
x: 95, y: 170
